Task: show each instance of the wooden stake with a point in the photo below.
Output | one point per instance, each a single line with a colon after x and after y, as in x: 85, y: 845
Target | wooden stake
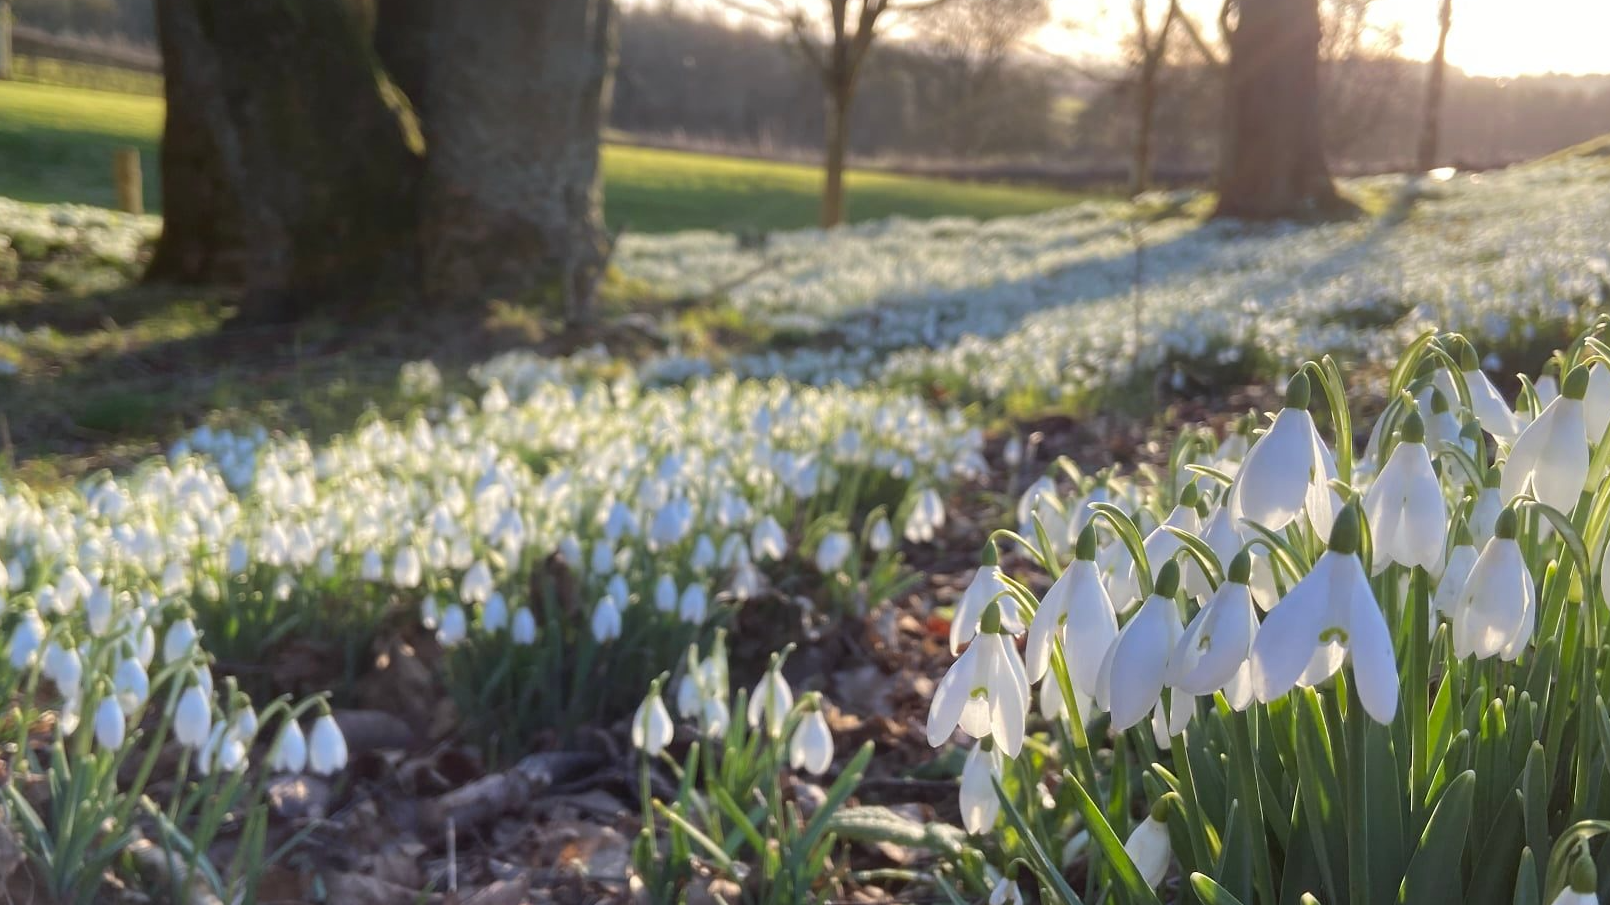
x: 126, y: 178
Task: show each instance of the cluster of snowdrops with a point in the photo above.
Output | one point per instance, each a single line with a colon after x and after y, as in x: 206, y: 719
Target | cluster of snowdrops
x: 1300, y: 671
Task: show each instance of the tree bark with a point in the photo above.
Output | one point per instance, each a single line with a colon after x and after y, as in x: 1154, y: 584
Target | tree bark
x: 1152, y: 53
x: 837, y: 141
x: 282, y: 163
x: 513, y: 107
x: 1431, y: 125
x: 1272, y: 157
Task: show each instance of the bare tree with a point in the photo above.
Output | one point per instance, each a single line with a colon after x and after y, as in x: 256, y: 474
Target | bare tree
x: 1272, y: 156
x: 1150, y: 46
x: 974, y: 40
x: 1431, y: 124
x: 836, y: 43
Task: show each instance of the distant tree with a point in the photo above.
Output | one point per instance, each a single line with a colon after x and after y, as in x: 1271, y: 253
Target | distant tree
x: 1431, y: 121
x: 293, y: 162
x: 972, y: 41
x: 1150, y: 47
x: 837, y: 44
x: 1272, y: 154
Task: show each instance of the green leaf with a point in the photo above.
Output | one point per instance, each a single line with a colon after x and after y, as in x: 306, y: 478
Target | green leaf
x: 1112, y: 848
x: 1052, y: 883
x: 1210, y: 892
x: 1434, y: 868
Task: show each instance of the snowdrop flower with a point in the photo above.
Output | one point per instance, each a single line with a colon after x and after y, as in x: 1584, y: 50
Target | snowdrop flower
x: 746, y: 580
x: 980, y: 805
x: 926, y: 518
x: 1496, y: 610
x: 1550, y: 457
x: 495, y: 613
x: 454, y: 626
x: 1287, y: 469
x: 1456, y: 574
x: 811, y: 748
x: 477, y: 584
x: 1076, y: 609
x: 715, y: 717
x: 665, y: 594
x: 651, y: 724
x: 881, y: 536
x: 1582, y: 883
x: 63, y: 667
x: 192, y: 718
x: 1486, y: 403
x: 1159, y: 545
x: 833, y: 551
x: 1149, y: 847
x: 603, y: 558
x: 1216, y: 644
x: 767, y: 540
x: 1006, y: 893
x: 1596, y: 401
x: 429, y: 615
x: 109, y: 724
x: 98, y: 610
x: 693, y: 604
x: 290, y: 750
x: 327, y: 747
x: 771, y: 700
x: 1136, y: 667
x: 406, y: 569
x: 1329, y: 616
x: 1407, y: 516
x: 372, y: 568
x: 985, y: 692
x: 704, y: 554
x: 179, y: 640
x: 26, y: 639
x: 1441, y: 427
x: 606, y: 622
x: 987, y: 587
x: 130, y: 685
x: 523, y: 630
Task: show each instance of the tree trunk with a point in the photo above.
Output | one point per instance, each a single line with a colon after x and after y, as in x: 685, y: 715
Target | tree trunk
x: 513, y: 107
x: 1431, y: 125
x: 282, y: 162
x: 5, y: 39
x: 837, y: 142
x: 1272, y: 157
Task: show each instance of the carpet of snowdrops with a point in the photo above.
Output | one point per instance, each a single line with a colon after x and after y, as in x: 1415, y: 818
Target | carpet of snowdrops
x: 1280, y: 669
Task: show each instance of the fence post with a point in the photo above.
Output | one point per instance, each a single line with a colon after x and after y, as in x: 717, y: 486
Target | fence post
x: 5, y: 39
x: 126, y: 178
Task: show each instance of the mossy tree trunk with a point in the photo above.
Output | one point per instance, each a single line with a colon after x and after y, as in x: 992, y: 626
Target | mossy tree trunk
x: 512, y: 112
x: 1272, y: 157
x: 283, y: 166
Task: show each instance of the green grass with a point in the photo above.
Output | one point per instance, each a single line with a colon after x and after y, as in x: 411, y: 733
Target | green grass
x: 56, y: 145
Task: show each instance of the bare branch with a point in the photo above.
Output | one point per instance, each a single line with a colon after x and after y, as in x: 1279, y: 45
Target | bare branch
x: 1195, y: 36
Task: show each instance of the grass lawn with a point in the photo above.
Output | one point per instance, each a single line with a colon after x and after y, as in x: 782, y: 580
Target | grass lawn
x: 56, y: 145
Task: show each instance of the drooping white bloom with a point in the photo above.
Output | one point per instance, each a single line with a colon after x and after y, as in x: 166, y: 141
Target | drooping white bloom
x: 985, y: 692
x: 926, y: 518
x: 980, y: 805
x: 1455, y: 575
x: 1137, y: 665
x: 130, y: 684
x: 747, y: 581
x: 833, y: 551
x: 811, y: 748
x: 406, y: 569
x: 771, y: 701
x: 1217, y: 643
x: 1149, y: 847
x: 1551, y: 456
x: 523, y: 628
x: 987, y: 587
x: 290, y: 750
x: 767, y: 540
x: 63, y: 667
x: 495, y: 613
x: 1006, y: 892
x: 881, y: 537
x: 1407, y: 515
x: 98, y: 610
x: 179, y: 640
x: 1484, y: 512
x: 1569, y: 896
x: 1076, y: 609
x: 373, y: 568
x: 429, y: 615
x: 1287, y: 470
x: 1488, y: 405
x: 1496, y: 610
x: 1159, y: 545
x: 704, y: 554
x: 327, y: 747
x: 1328, y: 617
x: 454, y: 627
x: 651, y: 724
x: 109, y: 724
x: 192, y: 718
x: 606, y: 624
x: 665, y: 594
x: 25, y: 640
x: 1596, y: 401
x: 691, y: 607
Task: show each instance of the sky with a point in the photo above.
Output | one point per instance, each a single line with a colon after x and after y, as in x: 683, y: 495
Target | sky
x: 1489, y: 37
